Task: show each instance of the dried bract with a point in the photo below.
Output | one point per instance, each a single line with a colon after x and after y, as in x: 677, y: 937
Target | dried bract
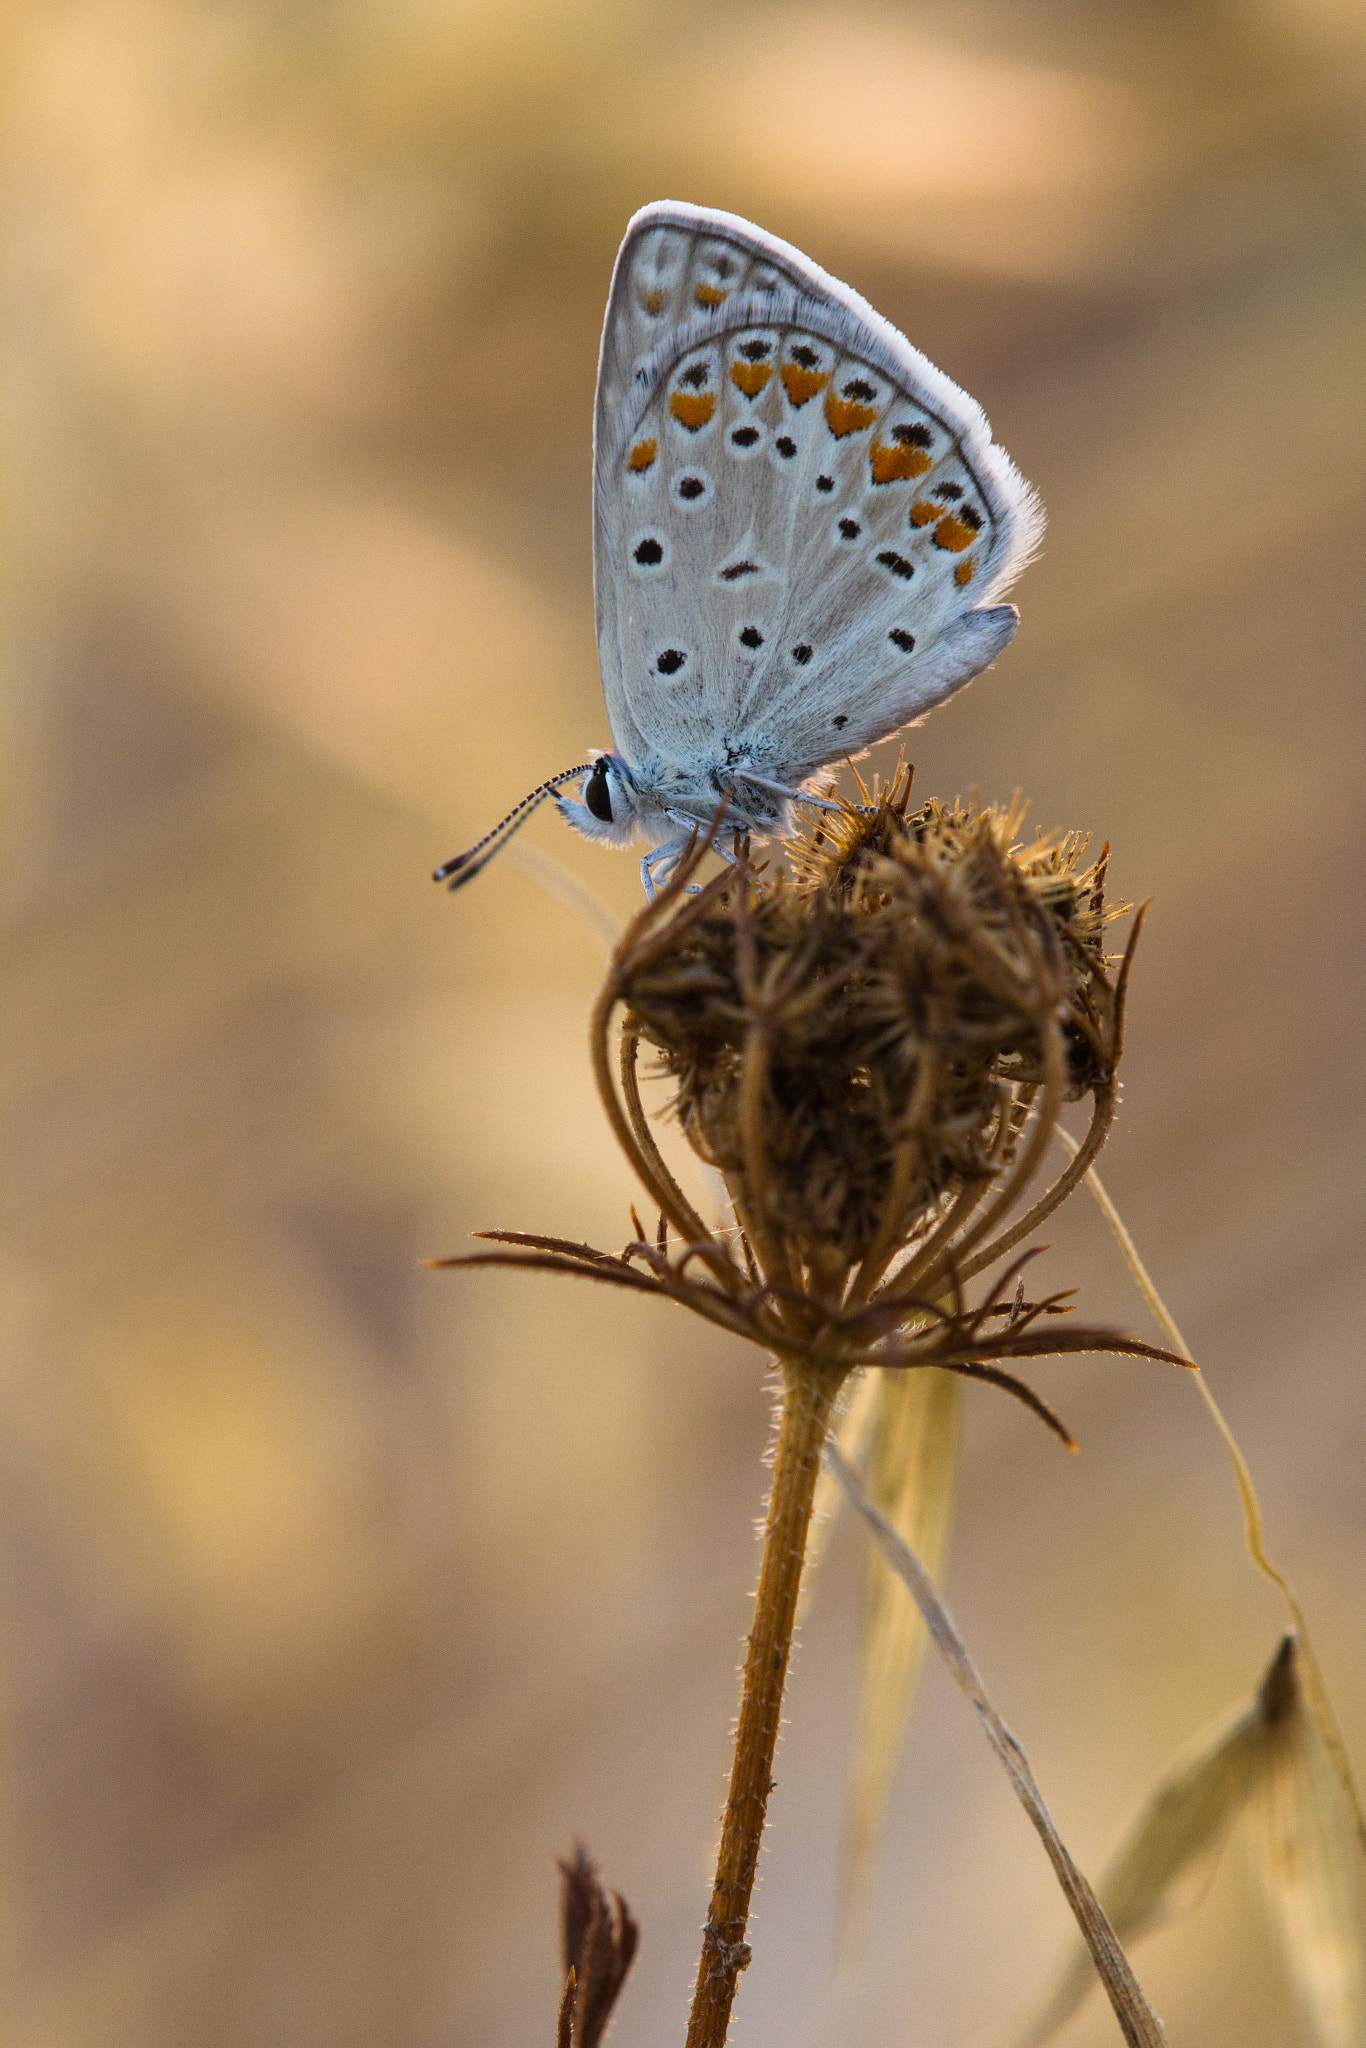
x: 598, y: 1940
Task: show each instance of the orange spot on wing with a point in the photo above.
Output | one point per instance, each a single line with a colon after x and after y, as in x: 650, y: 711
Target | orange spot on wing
x: 954, y: 534
x: 846, y: 416
x: 889, y: 465
x: 709, y: 295
x: 750, y: 377
x: 692, y: 409
x: 963, y: 573
x: 653, y: 301
x: 801, y: 384
x: 923, y: 511
x: 642, y: 455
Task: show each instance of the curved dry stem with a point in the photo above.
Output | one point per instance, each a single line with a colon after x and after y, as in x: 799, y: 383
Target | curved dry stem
x: 768, y: 1248
x: 1104, y: 1106
x: 938, y: 1263
x: 882, y: 1250
x: 1027, y: 1162
x: 692, y: 1228
x: 904, y: 1282
x: 660, y: 1182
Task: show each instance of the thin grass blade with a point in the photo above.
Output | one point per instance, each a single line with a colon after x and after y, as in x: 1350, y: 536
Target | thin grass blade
x: 911, y: 1473
x: 1138, y: 2022
x: 1313, y: 1872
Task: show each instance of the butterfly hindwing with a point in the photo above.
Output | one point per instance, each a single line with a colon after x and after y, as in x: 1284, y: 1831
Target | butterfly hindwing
x: 796, y: 514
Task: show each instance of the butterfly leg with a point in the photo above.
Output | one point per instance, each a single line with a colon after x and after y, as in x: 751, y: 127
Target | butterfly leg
x: 659, y: 863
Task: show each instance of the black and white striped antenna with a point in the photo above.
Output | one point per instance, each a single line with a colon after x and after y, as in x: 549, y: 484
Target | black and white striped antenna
x: 465, y: 866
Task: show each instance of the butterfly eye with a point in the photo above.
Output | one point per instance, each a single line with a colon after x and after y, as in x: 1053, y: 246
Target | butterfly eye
x: 596, y: 795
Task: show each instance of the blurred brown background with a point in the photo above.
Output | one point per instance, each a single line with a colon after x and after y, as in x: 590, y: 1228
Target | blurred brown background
x: 341, y: 1594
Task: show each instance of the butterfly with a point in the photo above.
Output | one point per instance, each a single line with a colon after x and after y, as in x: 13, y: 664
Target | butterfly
x: 801, y: 531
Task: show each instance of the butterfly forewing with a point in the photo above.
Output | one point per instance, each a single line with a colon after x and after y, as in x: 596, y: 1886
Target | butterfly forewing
x: 791, y: 506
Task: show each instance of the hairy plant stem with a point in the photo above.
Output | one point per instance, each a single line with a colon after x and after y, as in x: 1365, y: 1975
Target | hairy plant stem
x: 808, y: 1395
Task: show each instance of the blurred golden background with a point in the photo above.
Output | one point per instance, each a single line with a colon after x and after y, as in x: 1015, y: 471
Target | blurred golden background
x: 343, y: 1594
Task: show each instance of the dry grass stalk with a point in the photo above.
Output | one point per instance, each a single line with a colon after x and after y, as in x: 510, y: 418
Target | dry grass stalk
x: 1138, y: 2022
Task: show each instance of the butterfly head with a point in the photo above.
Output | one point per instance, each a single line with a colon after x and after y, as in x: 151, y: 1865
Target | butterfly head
x: 609, y: 808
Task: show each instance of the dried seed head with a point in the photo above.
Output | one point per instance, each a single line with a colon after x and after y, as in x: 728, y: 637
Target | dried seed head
x: 856, y: 1044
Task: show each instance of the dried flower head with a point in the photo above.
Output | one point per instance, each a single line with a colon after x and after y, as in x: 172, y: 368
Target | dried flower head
x: 874, y: 1049
x: 883, y: 1016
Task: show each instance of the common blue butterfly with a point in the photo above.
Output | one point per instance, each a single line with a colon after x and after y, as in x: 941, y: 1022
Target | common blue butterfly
x: 801, y: 529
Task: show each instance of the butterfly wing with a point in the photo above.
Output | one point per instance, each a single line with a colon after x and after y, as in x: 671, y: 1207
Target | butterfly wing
x: 799, y: 522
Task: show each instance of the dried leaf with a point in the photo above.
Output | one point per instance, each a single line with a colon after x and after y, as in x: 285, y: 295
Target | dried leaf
x: 598, y: 1941
x: 1266, y: 1759
x: 1313, y: 1871
x: 1164, y: 1862
x: 912, y: 1466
